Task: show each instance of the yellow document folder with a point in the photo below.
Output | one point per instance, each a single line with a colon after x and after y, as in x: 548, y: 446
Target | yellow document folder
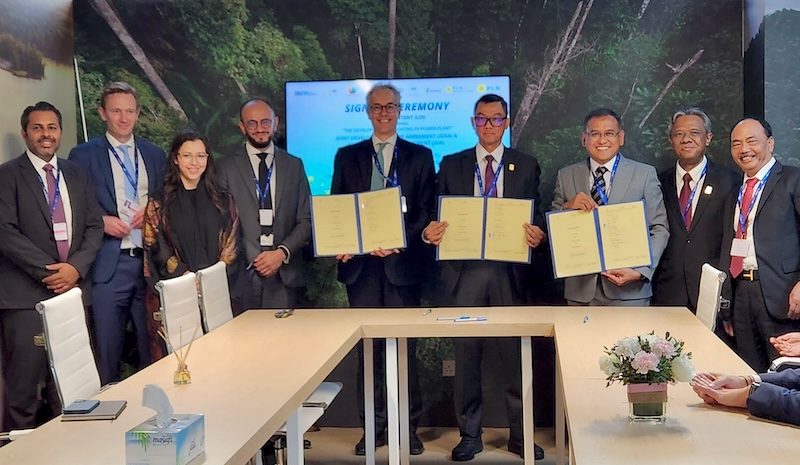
x: 356, y: 224
x: 607, y: 238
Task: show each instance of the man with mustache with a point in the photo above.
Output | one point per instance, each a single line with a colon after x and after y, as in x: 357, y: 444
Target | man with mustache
x: 50, y: 231
x: 271, y: 191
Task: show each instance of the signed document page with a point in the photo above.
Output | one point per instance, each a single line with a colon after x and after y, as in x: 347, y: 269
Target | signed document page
x: 505, y: 238
x: 624, y: 234
x: 463, y: 239
x: 381, y: 219
x: 334, y: 224
x: 573, y: 243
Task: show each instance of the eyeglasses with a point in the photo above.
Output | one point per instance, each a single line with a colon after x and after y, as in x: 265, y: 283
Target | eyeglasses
x: 253, y: 124
x: 495, y: 121
x: 595, y: 135
x: 692, y: 134
x: 201, y: 156
x: 377, y: 108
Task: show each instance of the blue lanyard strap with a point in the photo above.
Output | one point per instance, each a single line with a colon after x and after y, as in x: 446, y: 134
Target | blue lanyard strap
x: 391, y: 179
x: 262, y: 194
x: 742, y: 217
x: 601, y: 192
x: 688, y: 206
x: 493, y: 187
x: 132, y: 180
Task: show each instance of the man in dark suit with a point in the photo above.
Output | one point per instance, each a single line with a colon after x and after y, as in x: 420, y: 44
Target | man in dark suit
x: 488, y: 170
x: 388, y: 278
x: 774, y: 396
x: 125, y: 171
x: 50, y: 231
x: 761, y: 245
x: 695, y: 191
x: 271, y: 191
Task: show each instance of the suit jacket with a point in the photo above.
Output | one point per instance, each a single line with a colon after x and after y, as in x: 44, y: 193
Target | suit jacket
x: 633, y: 181
x: 778, y: 398
x: 776, y: 235
x: 292, y: 211
x: 677, y: 278
x: 352, y: 171
x: 94, y: 158
x: 27, y: 242
x: 457, y: 177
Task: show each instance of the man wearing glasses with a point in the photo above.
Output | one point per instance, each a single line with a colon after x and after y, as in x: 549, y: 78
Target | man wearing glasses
x: 388, y: 278
x: 607, y: 177
x: 271, y: 192
x: 490, y: 170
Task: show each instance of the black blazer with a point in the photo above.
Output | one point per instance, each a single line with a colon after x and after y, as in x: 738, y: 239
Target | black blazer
x: 27, y: 242
x: 457, y: 177
x: 776, y: 235
x: 676, y: 281
x: 352, y: 171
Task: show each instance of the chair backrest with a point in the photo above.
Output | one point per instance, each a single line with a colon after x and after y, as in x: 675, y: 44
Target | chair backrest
x: 180, y: 313
x: 215, y: 297
x: 708, y: 299
x: 68, y: 349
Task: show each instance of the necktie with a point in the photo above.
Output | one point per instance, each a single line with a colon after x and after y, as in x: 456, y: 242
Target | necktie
x: 130, y: 191
x: 263, y: 182
x: 599, y: 185
x: 686, y: 191
x: 488, y: 177
x: 737, y: 263
x: 58, y: 215
x: 377, y: 181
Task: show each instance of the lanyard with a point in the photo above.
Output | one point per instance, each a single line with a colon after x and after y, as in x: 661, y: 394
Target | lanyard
x: 132, y: 180
x: 688, y: 206
x: 56, y: 196
x: 743, y: 218
x: 262, y: 194
x: 601, y: 192
x: 493, y: 187
x: 391, y: 180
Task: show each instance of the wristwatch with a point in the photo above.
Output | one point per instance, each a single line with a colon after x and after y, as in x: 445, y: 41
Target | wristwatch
x: 753, y: 386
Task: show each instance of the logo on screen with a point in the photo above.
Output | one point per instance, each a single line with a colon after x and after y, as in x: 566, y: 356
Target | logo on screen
x: 482, y: 88
x: 352, y: 90
x: 448, y: 89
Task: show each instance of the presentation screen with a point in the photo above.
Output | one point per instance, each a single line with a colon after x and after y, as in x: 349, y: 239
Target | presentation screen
x: 322, y: 116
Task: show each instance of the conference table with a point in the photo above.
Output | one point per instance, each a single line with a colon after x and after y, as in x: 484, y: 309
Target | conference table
x: 250, y: 375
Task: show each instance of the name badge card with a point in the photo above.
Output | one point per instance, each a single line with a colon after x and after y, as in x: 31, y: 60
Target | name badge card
x: 128, y: 210
x: 267, y: 240
x: 739, y: 248
x: 265, y: 217
x: 60, y: 231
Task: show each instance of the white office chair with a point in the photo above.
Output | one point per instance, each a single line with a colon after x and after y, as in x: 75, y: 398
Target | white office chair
x: 311, y: 411
x: 180, y: 312
x: 708, y: 299
x: 215, y: 297
x: 68, y: 349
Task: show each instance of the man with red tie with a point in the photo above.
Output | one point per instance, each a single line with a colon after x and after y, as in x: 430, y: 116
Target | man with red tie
x: 761, y: 245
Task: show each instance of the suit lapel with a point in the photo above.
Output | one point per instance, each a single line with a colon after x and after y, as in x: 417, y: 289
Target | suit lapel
x: 712, y: 178
x: 671, y: 197
x: 467, y: 176
x: 246, y: 172
x: 104, y: 163
x: 364, y: 162
x: 34, y: 182
x: 774, y: 177
x: 76, y: 193
x: 280, y: 186
x: 622, y: 180
x: 151, y: 171
x: 510, y: 184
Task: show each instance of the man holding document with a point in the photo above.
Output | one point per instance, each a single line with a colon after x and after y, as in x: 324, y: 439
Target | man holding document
x: 487, y: 172
x: 388, y: 278
x: 608, y: 178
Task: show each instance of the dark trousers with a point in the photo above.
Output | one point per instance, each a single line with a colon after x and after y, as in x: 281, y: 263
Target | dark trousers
x: 31, y: 397
x: 271, y: 293
x: 114, y: 303
x: 484, y: 284
x: 373, y: 290
x: 753, y: 325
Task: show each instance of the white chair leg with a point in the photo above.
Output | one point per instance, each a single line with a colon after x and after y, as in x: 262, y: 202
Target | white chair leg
x: 294, y: 439
x: 392, y: 408
x: 369, y: 404
x: 527, y: 399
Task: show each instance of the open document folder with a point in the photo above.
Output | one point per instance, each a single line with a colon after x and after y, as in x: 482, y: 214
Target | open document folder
x: 356, y: 224
x: 606, y: 238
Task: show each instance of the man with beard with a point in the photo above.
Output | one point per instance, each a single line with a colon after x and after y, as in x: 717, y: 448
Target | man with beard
x: 271, y: 191
x: 50, y: 231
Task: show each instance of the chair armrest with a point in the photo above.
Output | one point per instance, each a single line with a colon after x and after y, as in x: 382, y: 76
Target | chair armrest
x: 784, y: 363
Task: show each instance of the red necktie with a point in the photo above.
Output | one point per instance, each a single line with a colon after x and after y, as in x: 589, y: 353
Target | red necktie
x: 489, y: 177
x: 686, y: 191
x: 737, y: 263
x: 58, y: 215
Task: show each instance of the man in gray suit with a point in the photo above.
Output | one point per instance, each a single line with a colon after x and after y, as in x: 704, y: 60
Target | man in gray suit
x: 271, y: 191
x: 50, y: 230
x: 608, y: 178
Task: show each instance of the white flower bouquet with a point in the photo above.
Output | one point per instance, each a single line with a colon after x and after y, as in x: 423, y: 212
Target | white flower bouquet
x: 647, y: 359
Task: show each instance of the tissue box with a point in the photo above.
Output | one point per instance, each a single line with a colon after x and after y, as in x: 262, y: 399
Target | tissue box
x: 177, y: 444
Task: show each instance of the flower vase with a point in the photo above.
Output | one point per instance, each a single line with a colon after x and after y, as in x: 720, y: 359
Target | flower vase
x: 647, y: 402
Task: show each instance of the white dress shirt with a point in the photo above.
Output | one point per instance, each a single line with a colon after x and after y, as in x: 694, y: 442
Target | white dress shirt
x: 480, y: 157
x: 388, y: 153
x: 120, y: 180
x: 609, y: 165
x: 63, y: 192
x: 252, y: 153
x: 696, y: 182
x: 750, y: 262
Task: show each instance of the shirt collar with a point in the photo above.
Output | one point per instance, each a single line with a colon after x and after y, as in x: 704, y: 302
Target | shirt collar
x: 116, y: 143
x: 694, y: 172
x: 253, y: 152
x: 391, y: 140
x: 609, y: 164
x: 763, y: 171
x: 38, y: 163
x: 481, y: 152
